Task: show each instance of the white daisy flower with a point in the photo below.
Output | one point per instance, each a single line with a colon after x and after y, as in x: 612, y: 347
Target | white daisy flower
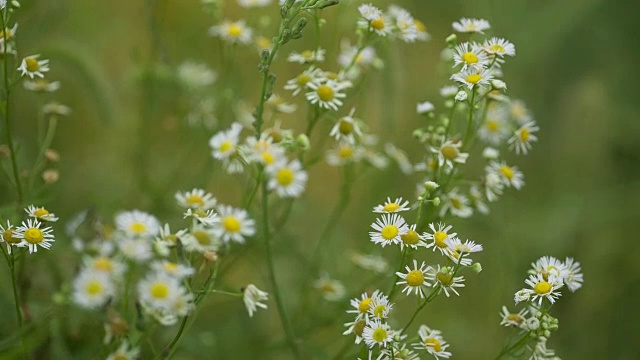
x: 263, y: 150
x: 370, y: 262
x: 328, y: 94
x: 389, y: 206
x: 388, y: 229
x: 179, y: 271
x: 366, y: 57
x: 32, y: 67
x: 374, y: 20
x: 499, y: 46
x: 196, y: 199
x: 493, y: 186
x: 548, y: 265
x: 449, y: 154
x: 421, y: 31
x: 449, y: 91
x: 105, y: 264
x: 169, y: 239
x: 477, y: 199
x: 208, y: 217
x: 137, y: 223
x: 380, y: 306
x: 495, y: 128
x: 439, y: 236
x: 344, y: 153
x: 459, y: 257
x: 40, y: 213
x: 235, y: 224
x: 513, y: 319
x: 362, y: 305
x: 425, y: 107
x: 288, y: 179
x: 32, y: 235
x: 201, y: 239
x: 415, y: 278
x: 573, y: 278
x: 40, y: 85
x: 225, y: 143
x: 92, y: 289
x: 124, y: 352
x: 544, y: 289
x: 412, y: 239
x: 473, y: 77
x: 432, y: 341
x: 196, y: 75
x: 356, y: 327
x: 470, y: 55
x: 253, y: 299
x: 468, y: 246
x: 346, y: 129
x: 9, y: 237
x: 519, y: 112
x: 232, y: 31
x: 301, y: 82
x: 254, y: 3
x: 280, y: 105
x: 466, y: 25
x: 523, y: 137
x: 159, y: 290
x: 135, y: 249
x: 443, y: 277
x: 404, y: 24
x: 307, y: 56
x: 510, y: 175
x: 521, y: 295
x: 377, y: 333
x: 331, y: 290
x: 457, y: 204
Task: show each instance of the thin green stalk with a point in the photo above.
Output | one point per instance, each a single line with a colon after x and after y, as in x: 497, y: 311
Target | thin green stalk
x: 272, y: 275
x: 430, y: 298
x: 470, y: 118
x: 16, y: 300
x: 521, y: 342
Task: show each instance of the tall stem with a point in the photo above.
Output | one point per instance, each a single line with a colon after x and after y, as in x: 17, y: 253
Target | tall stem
x: 470, y: 119
x: 16, y: 300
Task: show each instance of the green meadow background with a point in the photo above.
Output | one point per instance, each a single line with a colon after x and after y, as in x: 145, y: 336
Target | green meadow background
x: 127, y: 146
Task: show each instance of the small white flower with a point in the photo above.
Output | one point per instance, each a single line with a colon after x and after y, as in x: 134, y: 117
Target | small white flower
x: 288, y: 179
x: 406, y: 27
x: 519, y: 112
x: 466, y: 25
x: 349, y: 54
x: 169, y: 239
x: 412, y: 239
x: 544, y: 289
x: 400, y: 157
x: 432, y: 341
x: 362, y: 305
x: 38, y: 85
x: 425, y: 107
x: 208, y: 217
x: 159, y: 290
x: 344, y: 153
x: 548, y: 265
x: 388, y: 229
x: 573, y: 278
x: 513, y: 319
x: 499, y: 46
x: 377, y: 333
x: 235, y: 225
x: 201, y: 239
x: 523, y: 137
x: 232, y: 31
x: 521, y: 295
x: 374, y: 20
x: 196, y: 199
x: 40, y: 213
x: 470, y: 55
x: 92, y: 289
x: 457, y: 204
x: 280, y: 105
x: 415, y: 278
x: 32, y: 67
x: 104, y: 264
x: 389, y: 206
x: 136, y: 249
x: 380, y: 306
x: 490, y: 153
x: 493, y: 186
x: 327, y: 94
x: 468, y: 246
x: 331, y: 290
x: 179, y: 271
x: 137, y: 223
x: 443, y: 278
x: 473, y: 77
x: 224, y: 144
x: 449, y: 154
x: 196, y: 75
x: 346, y: 129
x: 510, y: 175
x: 263, y: 150
x: 32, y: 235
x: 307, y: 56
x: 253, y: 299
x: 494, y: 130
x: 439, y: 236
x: 370, y: 262
x: 461, y: 96
x: 448, y: 91
x: 301, y: 82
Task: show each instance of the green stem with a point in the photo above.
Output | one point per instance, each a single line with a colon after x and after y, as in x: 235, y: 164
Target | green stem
x: 470, y: 118
x: 16, y: 300
x: 521, y: 342
x: 430, y: 298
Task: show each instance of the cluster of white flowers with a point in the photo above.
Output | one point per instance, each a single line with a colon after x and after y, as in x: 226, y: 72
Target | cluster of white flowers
x: 32, y: 233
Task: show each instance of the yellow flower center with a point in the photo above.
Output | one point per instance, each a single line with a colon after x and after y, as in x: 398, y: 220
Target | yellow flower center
x: 307, y: 54
x: 449, y: 152
x: 492, y: 126
x: 378, y: 23
x: 456, y: 203
x: 345, y: 152
x: 410, y: 238
x: 542, y: 288
x: 515, y: 318
x: 420, y: 26
x: 225, y: 146
x: 7, y: 235
x: 358, y: 328
x: 138, y: 227
x: 497, y: 48
x: 303, y: 79
x: 201, y: 237
x: 433, y: 343
x: 507, y: 172
x: 231, y: 224
x: 379, y: 334
x: 391, y: 207
x: 444, y: 279
x: 121, y: 357
x: 345, y: 127
x: 275, y: 136
x: 524, y: 134
x: 41, y: 212
x: 284, y: 176
x: 439, y: 238
x: 331, y: 75
x: 365, y: 305
x: 93, y: 287
x: 33, y: 236
x: 234, y: 30
x: 263, y: 43
x: 195, y: 200
x: 170, y: 267
x: 268, y: 158
x: 389, y: 232
x: 103, y: 263
x: 379, y: 311
x: 470, y: 58
x: 172, y: 238
x: 159, y: 290
x: 474, y: 78
x: 32, y: 64
x: 325, y: 93
x: 415, y: 278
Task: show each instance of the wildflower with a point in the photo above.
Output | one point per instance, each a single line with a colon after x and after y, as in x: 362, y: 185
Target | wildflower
x: 235, y: 224
x: 548, y: 265
x: 106, y: 265
x: 32, y: 67
x: 262, y: 150
x: 389, y: 229
x: 332, y: 290
x: 414, y: 279
x: 421, y: 30
x: 448, y: 91
x: 40, y: 213
x: 493, y: 186
x: 137, y: 249
x: 490, y: 153
x: 344, y: 153
x: 124, y: 353
x: 196, y: 199
x: 225, y: 143
x: 41, y: 85
x: 178, y: 271
x: 207, y: 217
x: 494, y: 129
x: 196, y: 75
x: 523, y: 137
x: 425, y: 108
x: 370, y: 262
x: 522, y: 295
x: 253, y: 299
x: 439, y: 236
x: 201, y: 239
x: 159, y: 290
x: 457, y: 204
x: 512, y: 319
x: 374, y: 20
x: 307, y: 56
x: 232, y: 31
x: 356, y: 327
x: 380, y: 306
x: 499, y: 46
x: 443, y: 278
x: 432, y: 341
x: 287, y: 178
x: 92, y: 289
x: 168, y: 238
x: 301, y: 82
x: 470, y: 55
x: 362, y: 305
x: 389, y: 206
x: 519, y: 112
x: 466, y: 25
x: 412, y: 239
x: 137, y: 223
x: 349, y: 54
x: 509, y: 175
x: 54, y: 108
x: 377, y: 333
x: 404, y: 23
x: 473, y: 78
x: 573, y: 278
x: 9, y: 236
x: 328, y: 94
x: 346, y: 129
x: 449, y: 153
x: 33, y: 236
x: 468, y: 246
x: 544, y: 289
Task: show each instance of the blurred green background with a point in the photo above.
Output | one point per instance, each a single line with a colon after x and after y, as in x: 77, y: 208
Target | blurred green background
x: 126, y: 146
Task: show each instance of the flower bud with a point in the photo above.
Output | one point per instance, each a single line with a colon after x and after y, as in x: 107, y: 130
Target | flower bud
x: 499, y: 84
x: 452, y: 40
x: 211, y: 256
x: 436, y: 201
x: 461, y: 95
x: 431, y: 185
x: 302, y: 141
x: 476, y: 267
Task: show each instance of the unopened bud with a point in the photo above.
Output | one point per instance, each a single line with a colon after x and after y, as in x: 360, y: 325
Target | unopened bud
x: 452, y: 40
x: 302, y: 141
x: 50, y: 176
x: 476, y: 267
x: 431, y: 185
x: 461, y: 95
x: 211, y: 256
x: 52, y: 155
x: 499, y: 84
x: 436, y: 201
